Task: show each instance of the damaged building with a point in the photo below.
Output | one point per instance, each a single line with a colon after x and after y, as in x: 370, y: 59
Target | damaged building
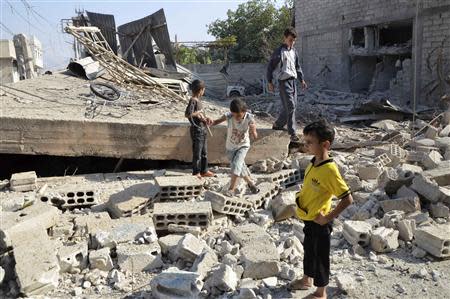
x: 377, y: 46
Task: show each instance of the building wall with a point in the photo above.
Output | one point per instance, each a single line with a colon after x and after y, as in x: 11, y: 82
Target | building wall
x: 324, y: 28
x: 250, y: 72
x: 8, y: 74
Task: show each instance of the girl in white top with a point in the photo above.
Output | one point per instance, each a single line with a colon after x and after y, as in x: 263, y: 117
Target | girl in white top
x: 241, y: 124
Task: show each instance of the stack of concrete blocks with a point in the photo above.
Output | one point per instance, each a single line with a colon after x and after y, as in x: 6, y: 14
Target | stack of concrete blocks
x: 71, y: 197
x: 267, y: 192
x: 187, y: 213
x: 357, y: 232
x: 434, y: 239
x: 259, y: 254
x: 23, y: 181
x: 178, y: 187
x: 228, y: 205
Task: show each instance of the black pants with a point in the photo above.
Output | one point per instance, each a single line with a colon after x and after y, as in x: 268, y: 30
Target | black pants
x: 316, y: 262
x: 199, y: 150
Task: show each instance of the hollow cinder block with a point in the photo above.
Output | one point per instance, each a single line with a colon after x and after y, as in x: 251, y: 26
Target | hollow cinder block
x: 182, y: 213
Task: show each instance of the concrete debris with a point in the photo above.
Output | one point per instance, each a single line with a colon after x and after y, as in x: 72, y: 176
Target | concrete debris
x: 134, y: 258
x: 169, y: 245
x: 222, y: 278
x: 281, y: 204
x: 23, y: 181
x: 228, y: 205
x: 405, y: 204
x: 391, y: 218
x: 132, y: 200
x: 100, y: 259
x: 384, y: 239
x: 406, y: 228
x: 434, y: 239
x: 439, y: 210
x: 174, y: 283
x: 37, y: 268
x: 357, y: 232
x: 73, y: 258
x: 205, y: 262
x: 427, y: 188
x: 189, y: 247
x: 345, y: 282
x: 418, y: 253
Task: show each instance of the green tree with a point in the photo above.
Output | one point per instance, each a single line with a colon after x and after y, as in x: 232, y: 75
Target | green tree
x: 258, y: 27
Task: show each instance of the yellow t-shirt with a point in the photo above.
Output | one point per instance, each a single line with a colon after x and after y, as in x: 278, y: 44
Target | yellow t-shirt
x: 320, y: 184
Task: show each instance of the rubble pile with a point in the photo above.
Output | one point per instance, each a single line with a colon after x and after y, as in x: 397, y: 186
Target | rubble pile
x: 171, y: 235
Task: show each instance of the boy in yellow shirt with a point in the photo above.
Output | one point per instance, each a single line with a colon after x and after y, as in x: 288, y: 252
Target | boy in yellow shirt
x: 322, y: 181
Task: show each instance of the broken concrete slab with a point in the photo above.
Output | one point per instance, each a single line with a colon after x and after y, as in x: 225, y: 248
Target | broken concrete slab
x: 132, y: 200
x: 189, y: 247
x: 135, y: 258
x: 23, y: 178
x: 405, y: 192
x: 169, y: 245
x: 248, y: 234
x: 440, y: 175
x: 427, y: 188
x: 176, y: 284
x: 434, y: 239
x: 185, y: 213
x: 384, y: 239
x: 13, y: 223
x: 260, y: 259
x: 37, y: 268
x: 405, y: 204
x: 100, y: 259
x: 357, y: 232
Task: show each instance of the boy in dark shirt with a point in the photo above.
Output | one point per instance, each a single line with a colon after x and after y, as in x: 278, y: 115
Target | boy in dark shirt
x: 198, y: 130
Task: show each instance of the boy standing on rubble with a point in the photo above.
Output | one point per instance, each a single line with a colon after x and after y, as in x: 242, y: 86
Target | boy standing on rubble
x: 199, y: 123
x: 240, y: 124
x: 284, y: 65
x: 322, y: 181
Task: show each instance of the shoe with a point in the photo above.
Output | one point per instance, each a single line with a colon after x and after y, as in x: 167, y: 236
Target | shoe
x: 253, y: 189
x: 294, y: 138
x: 274, y: 127
x: 208, y: 174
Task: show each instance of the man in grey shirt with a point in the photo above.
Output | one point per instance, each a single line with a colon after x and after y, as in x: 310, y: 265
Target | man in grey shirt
x: 284, y: 66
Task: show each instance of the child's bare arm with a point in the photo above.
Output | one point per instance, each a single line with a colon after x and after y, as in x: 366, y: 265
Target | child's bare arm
x: 342, y: 205
x: 253, y: 132
x: 219, y: 120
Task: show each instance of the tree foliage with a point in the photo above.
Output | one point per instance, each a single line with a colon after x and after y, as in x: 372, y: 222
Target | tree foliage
x: 258, y: 27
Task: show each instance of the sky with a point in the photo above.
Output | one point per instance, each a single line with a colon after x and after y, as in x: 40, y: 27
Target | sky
x: 187, y: 19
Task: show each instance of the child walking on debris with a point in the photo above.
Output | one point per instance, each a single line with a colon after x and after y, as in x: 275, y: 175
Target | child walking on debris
x: 313, y: 205
x: 199, y: 123
x: 239, y: 123
x: 285, y: 67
